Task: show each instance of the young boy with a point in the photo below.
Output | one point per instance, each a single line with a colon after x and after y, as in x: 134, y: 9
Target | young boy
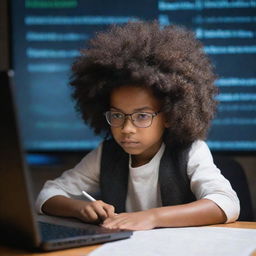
x: 151, y: 92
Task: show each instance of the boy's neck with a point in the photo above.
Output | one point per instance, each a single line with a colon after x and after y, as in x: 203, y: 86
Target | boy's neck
x: 142, y: 159
x: 136, y: 161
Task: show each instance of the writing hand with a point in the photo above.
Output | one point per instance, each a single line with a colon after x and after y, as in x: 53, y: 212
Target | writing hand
x: 95, y: 211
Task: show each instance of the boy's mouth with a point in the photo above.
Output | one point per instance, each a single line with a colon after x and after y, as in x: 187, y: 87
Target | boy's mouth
x: 129, y: 143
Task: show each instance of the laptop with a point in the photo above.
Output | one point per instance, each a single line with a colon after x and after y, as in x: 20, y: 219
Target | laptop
x: 19, y: 224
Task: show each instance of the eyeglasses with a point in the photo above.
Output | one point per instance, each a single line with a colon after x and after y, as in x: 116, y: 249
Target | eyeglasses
x: 139, y: 119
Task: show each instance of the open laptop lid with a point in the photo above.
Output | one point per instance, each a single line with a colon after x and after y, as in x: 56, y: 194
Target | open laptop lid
x: 16, y: 217
x: 18, y: 223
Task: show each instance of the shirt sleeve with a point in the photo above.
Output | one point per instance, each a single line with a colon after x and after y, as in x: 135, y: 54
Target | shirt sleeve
x: 206, y: 181
x: 84, y: 176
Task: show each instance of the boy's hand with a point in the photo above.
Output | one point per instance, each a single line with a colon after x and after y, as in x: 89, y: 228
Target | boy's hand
x: 94, y: 212
x: 142, y: 220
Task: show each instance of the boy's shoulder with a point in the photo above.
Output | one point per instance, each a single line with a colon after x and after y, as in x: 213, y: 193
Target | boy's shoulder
x: 194, y: 144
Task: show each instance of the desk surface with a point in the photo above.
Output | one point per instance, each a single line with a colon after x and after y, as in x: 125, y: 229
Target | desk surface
x: 83, y: 251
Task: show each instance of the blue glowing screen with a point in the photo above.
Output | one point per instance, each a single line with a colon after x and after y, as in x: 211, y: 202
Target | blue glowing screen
x: 47, y: 36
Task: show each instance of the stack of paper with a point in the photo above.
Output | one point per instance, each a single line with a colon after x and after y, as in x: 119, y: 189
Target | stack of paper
x: 194, y: 241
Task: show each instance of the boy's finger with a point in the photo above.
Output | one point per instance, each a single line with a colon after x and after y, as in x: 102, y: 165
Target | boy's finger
x: 110, y: 209
x: 100, y: 211
x: 112, y: 223
x: 91, y: 214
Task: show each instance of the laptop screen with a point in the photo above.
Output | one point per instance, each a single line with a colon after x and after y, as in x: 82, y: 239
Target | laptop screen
x: 15, y: 204
x: 18, y: 223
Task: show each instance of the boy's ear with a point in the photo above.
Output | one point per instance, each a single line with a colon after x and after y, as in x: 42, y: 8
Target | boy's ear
x: 167, y: 123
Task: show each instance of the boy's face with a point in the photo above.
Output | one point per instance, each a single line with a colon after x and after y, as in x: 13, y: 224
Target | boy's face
x: 141, y: 143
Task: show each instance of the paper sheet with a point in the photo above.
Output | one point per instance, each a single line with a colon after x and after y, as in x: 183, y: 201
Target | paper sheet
x: 194, y: 241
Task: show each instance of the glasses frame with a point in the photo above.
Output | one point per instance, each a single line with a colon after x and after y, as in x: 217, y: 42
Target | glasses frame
x: 154, y: 114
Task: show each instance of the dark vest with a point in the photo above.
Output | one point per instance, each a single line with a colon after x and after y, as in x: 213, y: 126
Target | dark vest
x: 173, y: 180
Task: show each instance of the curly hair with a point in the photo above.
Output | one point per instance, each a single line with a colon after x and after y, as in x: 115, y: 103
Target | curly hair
x: 170, y: 61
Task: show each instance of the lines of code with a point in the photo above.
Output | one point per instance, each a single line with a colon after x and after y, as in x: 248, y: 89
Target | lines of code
x: 48, y: 35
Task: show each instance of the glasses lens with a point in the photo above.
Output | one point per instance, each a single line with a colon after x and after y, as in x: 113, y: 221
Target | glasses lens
x: 139, y: 119
x: 115, y: 118
x: 142, y: 120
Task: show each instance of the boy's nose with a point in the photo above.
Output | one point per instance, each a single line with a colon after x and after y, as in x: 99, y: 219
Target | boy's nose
x: 128, y: 126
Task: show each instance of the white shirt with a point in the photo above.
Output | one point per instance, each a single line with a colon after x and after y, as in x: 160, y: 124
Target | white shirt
x: 206, y: 181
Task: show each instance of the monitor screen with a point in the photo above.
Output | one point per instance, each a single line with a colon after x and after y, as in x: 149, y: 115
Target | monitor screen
x: 47, y: 36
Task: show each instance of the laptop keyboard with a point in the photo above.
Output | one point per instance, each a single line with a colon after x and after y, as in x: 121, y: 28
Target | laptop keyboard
x: 51, y: 231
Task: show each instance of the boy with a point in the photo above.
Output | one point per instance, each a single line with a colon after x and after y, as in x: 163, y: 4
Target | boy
x: 151, y: 92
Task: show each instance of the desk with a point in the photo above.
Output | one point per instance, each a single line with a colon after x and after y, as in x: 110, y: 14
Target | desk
x: 83, y: 251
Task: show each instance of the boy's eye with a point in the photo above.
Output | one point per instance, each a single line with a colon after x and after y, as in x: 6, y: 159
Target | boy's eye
x: 117, y: 115
x: 142, y: 116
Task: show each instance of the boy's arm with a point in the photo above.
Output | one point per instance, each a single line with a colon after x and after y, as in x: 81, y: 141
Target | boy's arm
x: 85, y: 211
x: 201, y: 212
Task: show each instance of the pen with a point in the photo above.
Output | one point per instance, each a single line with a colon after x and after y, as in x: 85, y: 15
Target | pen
x: 88, y: 196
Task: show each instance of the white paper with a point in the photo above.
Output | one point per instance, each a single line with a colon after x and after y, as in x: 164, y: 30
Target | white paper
x: 194, y: 241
